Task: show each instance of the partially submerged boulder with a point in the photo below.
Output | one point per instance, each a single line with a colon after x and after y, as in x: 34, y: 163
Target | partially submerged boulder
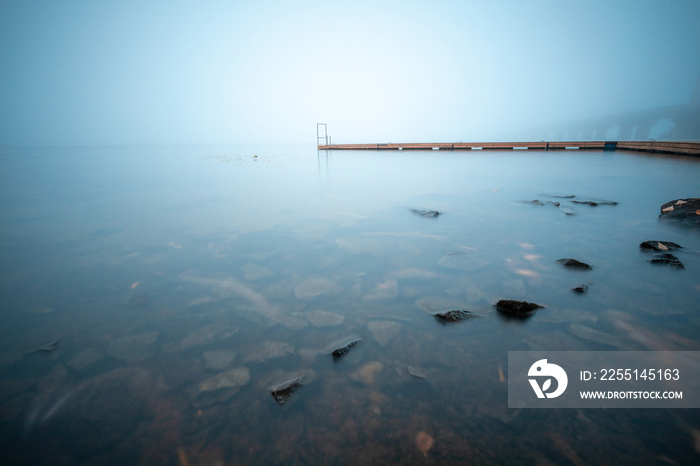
x: 667, y: 259
x: 283, y: 391
x: 515, y: 308
x: 659, y: 246
x: 686, y: 211
x: 574, y: 264
x: 344, y: 347
x: 595, y: 203
x: 581, y: 289
x: 454, y: 315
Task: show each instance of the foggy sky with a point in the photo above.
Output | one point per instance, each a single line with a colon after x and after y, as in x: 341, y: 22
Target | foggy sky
x: 197, y: 72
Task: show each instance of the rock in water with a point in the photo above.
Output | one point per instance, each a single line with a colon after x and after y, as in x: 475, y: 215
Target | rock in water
x: 426, y: 213
x: 595, y: 203
x: 581, y: 289
x: 454, y: 315
x: 345, y: 347
x: 686, y: 211
x: 283, y: 391
x: 574, y: 264
x: 517, y: 308
x: 667, y: 259
x: 659, y: 246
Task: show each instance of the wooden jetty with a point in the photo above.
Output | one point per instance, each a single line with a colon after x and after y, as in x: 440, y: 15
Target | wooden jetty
x: 665, y: 147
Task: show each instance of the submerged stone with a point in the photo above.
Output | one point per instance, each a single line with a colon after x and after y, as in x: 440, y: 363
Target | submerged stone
x: 659, y: 246
x: 454, y: 315
x: 426, y: 213
x: 515, y: 308
x: 218, y: 359
x: 384, y: 330
x: 269, y: 350
x: 324, y: 318
x: 686, y: 211
x: 230, y: 379
x: 574, y: 264
x: 85, y: 358
x: 132, y: 348
x: 47, y: 348
x: 667, y: 259
x: 467, y: 261
x: 367, y: 373
x: 316, y: 286
x: 207, y: 334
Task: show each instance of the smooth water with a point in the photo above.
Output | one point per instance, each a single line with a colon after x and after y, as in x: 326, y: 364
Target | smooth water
x: 183, y: 283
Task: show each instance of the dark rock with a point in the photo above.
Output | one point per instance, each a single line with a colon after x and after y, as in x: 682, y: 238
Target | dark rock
x: 683, y: 210
x: 455, y: 315
x: 581, y: 289
x: 659, y: 246
x: 426, y: 213
x: 667, y: 259
x: 562, y: 196
x: 596, y: 203
x: 574, y: 264
x: 517, y: 308
x: 345, y: 348
x: 538, y: 202
x: 283, y: 391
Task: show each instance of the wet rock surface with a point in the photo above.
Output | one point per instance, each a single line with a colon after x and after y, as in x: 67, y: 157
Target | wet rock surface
x: 595, y: 203
x: 574, y: 264
x: 667, y: 259
x: 454, y: 315
x: 426, y: 213
x: 659, y: 246
x: 344, y: 348
x: 686, y: 211
x: 283, y: 391
x: 581, y: 289
x: 510, y: 307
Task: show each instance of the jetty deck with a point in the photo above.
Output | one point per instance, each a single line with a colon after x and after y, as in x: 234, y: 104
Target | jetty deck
x: 666, y: 147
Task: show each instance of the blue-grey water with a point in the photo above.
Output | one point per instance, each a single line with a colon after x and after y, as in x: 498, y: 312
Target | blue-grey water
x: 151, y: 298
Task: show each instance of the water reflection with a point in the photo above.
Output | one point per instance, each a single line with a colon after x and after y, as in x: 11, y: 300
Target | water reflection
x: 188, y: 286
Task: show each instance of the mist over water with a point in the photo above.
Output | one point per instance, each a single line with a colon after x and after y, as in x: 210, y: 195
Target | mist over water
x: 389, y: 71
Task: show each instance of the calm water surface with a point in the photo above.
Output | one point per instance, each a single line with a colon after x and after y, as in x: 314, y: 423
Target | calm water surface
x: 182, y: 284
